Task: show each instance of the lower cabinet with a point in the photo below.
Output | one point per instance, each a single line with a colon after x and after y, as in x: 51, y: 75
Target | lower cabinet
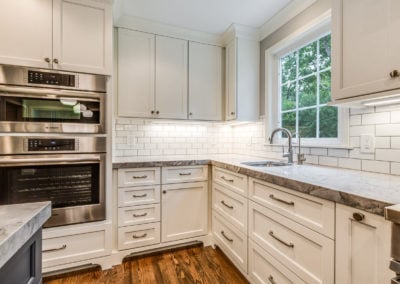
x: 362, y: 247
x: 184, y: 211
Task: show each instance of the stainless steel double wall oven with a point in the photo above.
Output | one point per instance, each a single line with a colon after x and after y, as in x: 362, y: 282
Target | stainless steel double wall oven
x: 53, y: 142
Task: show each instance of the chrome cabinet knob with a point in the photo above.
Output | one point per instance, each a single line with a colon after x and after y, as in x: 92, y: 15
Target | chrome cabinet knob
x: 152, y: 112
x: 190, y: 113
x: 157, y: 112
x: 232, y: 113
x: 47, y: 60
x: 55, y: 60
x: 358, y: 216
x: 394, y: 74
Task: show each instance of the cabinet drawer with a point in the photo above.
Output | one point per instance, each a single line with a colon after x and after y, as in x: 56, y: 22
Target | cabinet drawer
x: 231, y: 206
x: 138, y: 236
x: 139, y: 176
x: 231, y: 241
x: 314, y: 213
x: 74, y: 247
x: 131, y: 196
x: 184, y: 174
x: 135, y: 215
x: 264, y: 268
x: 308, y: 254
x: 233, y: 181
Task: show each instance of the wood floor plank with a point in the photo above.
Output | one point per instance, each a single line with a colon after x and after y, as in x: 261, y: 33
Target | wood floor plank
x: 196, y: 265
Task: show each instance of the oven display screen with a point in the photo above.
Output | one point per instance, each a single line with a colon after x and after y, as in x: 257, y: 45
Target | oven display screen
x: 51, y: 144
x: 55, y: 79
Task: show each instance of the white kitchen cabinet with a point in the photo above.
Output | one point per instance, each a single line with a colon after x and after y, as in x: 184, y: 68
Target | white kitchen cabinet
x: 171, y: 78
x: 362, y: 247
x: 365, y: 47
x: 136, y: 73
x: 184, y: 212
x: 68, y: 35
x: 205, y: 82
x: 242, y: 80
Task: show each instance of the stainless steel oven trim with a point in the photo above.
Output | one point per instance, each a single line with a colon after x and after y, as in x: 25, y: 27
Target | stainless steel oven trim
x: 75, y: 214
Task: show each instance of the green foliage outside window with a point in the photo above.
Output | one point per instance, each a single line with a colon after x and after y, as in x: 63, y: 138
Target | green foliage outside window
x: 305, y: 89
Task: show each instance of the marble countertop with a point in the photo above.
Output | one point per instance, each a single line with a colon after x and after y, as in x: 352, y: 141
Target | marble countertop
x: 371, y: 192
x: 18, y: 223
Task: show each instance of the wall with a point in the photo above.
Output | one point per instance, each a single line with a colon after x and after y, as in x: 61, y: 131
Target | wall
x: 318, y: 8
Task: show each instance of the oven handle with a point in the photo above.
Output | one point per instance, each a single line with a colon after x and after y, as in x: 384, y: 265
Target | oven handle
x: 48, y: 161
x: 46, y: 93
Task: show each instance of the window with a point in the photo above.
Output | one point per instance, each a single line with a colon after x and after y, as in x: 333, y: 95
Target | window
x: 298, y: 88
x: 305, y: 89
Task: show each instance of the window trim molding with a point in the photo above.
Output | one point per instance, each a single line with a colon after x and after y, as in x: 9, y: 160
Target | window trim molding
x: 301, y: 36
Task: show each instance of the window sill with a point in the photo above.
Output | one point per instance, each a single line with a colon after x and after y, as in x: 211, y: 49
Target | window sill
x: 345, y: 147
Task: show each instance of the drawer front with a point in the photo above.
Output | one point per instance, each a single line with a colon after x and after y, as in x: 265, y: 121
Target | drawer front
x: 184, y: 174
x: 314, y: 213
x: 231, y: 206
x: 131, y: 196
x: 72, y: 248
x: 139, y: 176
x: 264, y: 268
x: 307, y: 253
x: 135, y: 215
x: 231, y: 241
x: 233, y: 181
x: 138, y: 236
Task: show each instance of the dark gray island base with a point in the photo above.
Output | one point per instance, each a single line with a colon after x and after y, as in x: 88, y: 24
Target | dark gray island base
x: 21, y: 242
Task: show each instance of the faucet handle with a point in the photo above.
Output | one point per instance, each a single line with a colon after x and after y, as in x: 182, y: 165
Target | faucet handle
x: 301, y: 158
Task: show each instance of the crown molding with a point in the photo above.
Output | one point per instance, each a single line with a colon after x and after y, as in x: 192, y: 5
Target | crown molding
x: 283, y: 16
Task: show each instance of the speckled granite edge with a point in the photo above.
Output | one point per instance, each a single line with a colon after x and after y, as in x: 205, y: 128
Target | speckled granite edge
x: 145, y: 164
x: 352, y: 200
x: 18, y: 223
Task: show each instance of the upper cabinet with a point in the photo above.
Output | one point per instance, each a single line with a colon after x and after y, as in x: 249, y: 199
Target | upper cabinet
x: 242, y: 80
x: 161, y: 77
x: 205, y: 82
x: 366, y: 57
x: 171, y: 77
x: 68, y: 35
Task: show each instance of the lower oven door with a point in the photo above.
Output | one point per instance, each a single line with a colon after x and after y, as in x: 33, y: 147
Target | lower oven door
x: 74, y: 183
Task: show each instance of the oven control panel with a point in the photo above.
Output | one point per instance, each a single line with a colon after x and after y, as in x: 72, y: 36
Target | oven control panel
x: 54, y: 79
x: 51, y: 145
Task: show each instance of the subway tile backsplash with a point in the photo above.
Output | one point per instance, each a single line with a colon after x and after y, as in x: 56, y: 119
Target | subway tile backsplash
x: 150, y: 137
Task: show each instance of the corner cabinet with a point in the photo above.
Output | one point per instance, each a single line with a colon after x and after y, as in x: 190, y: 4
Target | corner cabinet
x: 365, y: 45
x: 68, y: 35
x: 362, y: 247
x: 242, y: 80
x: 205, y: 82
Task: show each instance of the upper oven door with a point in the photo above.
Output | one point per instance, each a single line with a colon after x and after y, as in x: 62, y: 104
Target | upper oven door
x: 56, y: 111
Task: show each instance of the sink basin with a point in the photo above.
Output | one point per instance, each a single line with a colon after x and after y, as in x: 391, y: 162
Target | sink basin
x: 266, y: 164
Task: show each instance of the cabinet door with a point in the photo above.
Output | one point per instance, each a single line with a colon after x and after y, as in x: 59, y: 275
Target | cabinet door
x: 136, y: 54
x: 365, y: 45
x: 230, y: 84
x: 82, y: 34
x: 184, y: 211
x: 171, y: 77
x: 26, y: 32
x: 205, y: 82
x: 362, y: 248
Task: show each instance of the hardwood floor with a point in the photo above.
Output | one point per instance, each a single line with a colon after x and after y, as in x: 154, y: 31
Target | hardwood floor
x: 198, y: 265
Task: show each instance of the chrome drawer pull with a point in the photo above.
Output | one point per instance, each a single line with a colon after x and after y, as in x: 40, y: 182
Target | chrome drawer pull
x: 228, y: 180
x: 226, y: 205
x: 137, y: 177
x: 228, y: 239
x: 140, y: 215
x: 271, y: 279
x: 138, y: 196
x: 291, y: 203
x: 139, y: 237
x: 290, y: 245
x: 54, y: 249
x: 185, y: 174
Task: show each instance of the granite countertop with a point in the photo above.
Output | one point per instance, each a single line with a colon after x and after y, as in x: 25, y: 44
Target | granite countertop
x: 371, y: 192
x: 18, y: 223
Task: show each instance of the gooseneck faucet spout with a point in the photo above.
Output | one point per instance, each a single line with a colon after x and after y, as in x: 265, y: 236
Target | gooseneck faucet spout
x: 289, y: 154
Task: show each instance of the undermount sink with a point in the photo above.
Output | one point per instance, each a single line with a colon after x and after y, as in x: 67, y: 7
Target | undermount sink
x: 266, y: 164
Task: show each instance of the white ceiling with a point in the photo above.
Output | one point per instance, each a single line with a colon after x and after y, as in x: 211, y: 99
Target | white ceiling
x: 212, y: 16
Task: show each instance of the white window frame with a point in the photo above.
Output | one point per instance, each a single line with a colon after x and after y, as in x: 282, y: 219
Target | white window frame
x: 307, y: 34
